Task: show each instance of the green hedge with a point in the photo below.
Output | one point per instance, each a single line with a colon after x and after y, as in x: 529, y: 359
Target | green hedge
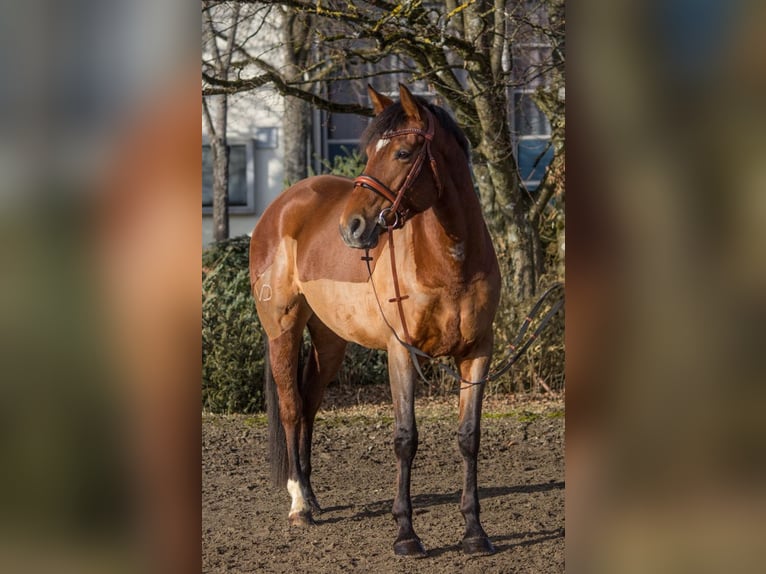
x: 232, y: 339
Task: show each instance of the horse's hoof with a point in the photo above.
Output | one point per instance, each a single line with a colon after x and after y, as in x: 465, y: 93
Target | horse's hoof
x: 410, y: 547
x: 478, y: 545
x: 302, y: 518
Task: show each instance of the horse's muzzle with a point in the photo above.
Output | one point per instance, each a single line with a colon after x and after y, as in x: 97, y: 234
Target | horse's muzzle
x: 360, y: 233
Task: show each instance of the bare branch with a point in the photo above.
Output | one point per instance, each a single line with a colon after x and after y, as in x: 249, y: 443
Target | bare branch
x: 219, y: 86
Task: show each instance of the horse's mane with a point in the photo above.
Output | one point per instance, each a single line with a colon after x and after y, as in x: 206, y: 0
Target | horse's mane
x: 393, y: 117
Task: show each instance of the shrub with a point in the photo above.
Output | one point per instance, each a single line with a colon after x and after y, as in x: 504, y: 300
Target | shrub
x: 363, y: 366
x: 349, y: 164
x: 232, y: 339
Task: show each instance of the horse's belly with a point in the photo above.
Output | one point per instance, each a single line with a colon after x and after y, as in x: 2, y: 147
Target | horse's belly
x: 349, y: 309
x: 352, y: 311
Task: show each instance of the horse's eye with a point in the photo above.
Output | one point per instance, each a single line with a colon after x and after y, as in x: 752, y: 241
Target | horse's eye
x: 402, y: 154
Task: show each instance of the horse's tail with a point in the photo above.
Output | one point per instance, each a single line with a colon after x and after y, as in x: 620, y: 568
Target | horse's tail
x: 277, y: 442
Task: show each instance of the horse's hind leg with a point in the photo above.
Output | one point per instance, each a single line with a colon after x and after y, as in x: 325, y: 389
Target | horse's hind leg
x: 327, y: 352
x: 283, y: 354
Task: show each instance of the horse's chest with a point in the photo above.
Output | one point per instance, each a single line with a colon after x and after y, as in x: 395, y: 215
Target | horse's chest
x: 445, y: 324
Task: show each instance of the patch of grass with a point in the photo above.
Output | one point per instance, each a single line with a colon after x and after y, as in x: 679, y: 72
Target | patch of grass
x: 330, y: 420
x: 508, y: 415
x: 525, y: 416
x: 259, y: 420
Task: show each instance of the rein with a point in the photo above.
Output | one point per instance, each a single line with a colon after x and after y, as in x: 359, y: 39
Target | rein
x: 377, y: 186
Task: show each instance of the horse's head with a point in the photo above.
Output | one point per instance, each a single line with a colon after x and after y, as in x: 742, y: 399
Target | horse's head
x: 400, y: 177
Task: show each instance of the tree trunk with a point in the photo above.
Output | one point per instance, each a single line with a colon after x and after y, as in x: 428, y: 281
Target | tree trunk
x: 296, y: 137
x: 498, y: 180
x: 297, y: 42
x: 220, y: 149
x: 217, y: 121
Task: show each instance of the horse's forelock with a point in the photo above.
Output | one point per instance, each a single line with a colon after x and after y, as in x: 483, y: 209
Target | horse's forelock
x: 394, y: 117
x: 386, y: 121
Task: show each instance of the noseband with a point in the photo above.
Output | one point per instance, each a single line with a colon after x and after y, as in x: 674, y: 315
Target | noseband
x: 374, y: 184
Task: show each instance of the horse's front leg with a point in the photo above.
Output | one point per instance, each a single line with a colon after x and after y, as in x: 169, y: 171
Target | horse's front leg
x: 472, y: 368
x: 402, y: 376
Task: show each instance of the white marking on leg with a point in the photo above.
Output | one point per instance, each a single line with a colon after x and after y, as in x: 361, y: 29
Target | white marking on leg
x: 299, y: 503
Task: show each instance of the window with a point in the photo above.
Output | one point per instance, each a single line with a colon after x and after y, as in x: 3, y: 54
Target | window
x: 533, y: 136
x: 337, y: 135
x: 343, y: 132
x: 530, y: 127
x: 241, y: 178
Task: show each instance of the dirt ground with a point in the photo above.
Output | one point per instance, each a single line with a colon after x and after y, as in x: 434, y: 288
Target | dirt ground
x: 521, y: 488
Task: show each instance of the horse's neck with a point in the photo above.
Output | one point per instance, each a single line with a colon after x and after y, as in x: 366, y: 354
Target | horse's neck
x: 451, y: 236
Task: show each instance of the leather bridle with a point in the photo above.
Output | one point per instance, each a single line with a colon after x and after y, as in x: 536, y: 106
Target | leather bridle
x: 374, y: 184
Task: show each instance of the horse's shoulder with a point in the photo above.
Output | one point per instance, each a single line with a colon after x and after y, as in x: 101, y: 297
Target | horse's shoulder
x: 288, y: 214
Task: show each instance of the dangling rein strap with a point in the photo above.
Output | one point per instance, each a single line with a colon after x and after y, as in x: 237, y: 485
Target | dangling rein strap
x: 415, y: 353
x: 397, y: 292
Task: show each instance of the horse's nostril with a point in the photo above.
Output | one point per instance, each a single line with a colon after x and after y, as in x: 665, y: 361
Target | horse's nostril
x: 358, y: 232
x: 356, y: 226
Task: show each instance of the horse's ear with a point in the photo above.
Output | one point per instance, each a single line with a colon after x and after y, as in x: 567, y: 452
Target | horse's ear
x: 409, y: 104
x: 379, y: 101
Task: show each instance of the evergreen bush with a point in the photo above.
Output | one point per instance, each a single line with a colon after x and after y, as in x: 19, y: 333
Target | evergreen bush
x: 232, y: 338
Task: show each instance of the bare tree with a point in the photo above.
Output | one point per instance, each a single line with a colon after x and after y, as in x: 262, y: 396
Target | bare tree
x: 464, y: 50
x: 297, y: 32
x: 220, y: 23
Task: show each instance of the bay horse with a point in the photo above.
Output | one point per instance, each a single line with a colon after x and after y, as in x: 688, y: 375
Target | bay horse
x: 439, y: 296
